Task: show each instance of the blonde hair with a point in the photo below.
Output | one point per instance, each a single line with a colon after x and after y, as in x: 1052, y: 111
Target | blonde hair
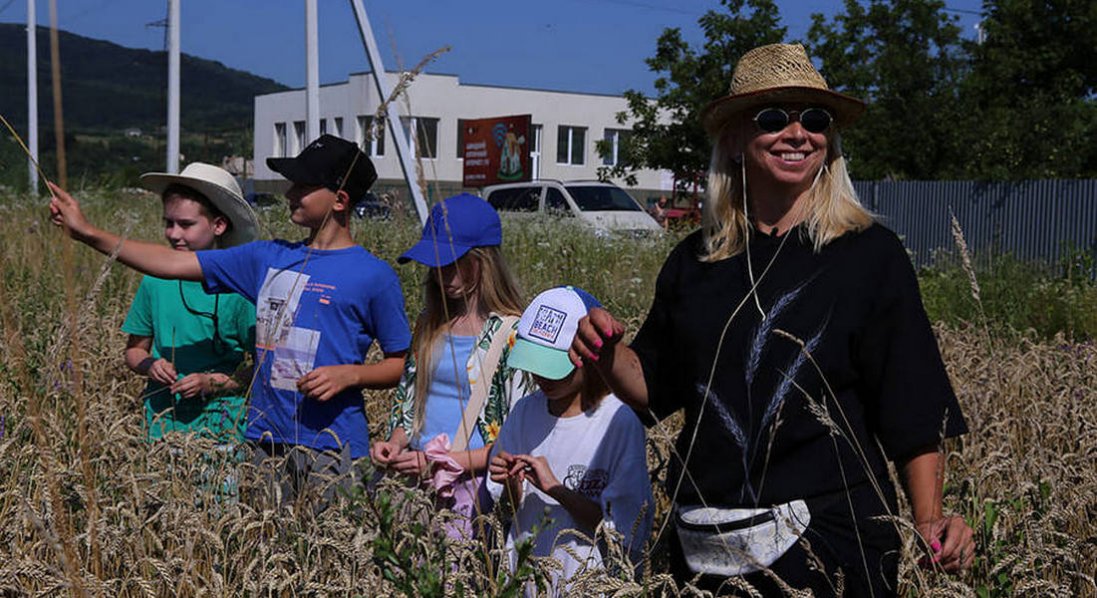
x: 832, y: 209
x: 496, y: 291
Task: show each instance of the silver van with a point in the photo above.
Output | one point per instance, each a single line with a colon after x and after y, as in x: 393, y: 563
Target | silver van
x: 603, y: 206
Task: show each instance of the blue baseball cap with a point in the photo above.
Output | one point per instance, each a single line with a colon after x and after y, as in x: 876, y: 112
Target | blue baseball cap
x: 455, y: 225
x: 546, y: 330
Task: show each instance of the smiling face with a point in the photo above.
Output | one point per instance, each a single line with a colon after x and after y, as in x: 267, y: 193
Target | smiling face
x: 787, y: 159
x: 188, y: 226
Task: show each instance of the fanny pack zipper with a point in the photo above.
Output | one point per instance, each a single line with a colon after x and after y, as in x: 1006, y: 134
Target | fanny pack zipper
x: 729, y: 526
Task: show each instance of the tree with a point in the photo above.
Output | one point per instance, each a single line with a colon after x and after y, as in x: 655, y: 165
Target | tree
x: 666, y: 130
x: 906, y: 59
x: 1031, y: 93
x: 1022, y: 104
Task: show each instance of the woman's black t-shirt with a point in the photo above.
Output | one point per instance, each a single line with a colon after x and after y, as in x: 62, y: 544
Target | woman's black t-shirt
x: 780, y: 422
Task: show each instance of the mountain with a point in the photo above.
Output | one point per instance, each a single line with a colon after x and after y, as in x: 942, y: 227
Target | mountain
x: 108, y: 88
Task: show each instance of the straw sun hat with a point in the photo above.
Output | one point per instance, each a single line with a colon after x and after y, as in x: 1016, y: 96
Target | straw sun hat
x: 220, y: 188
x: 778, y: 73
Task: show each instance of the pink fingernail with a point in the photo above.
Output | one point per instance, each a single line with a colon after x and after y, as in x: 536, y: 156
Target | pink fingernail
x: 935, y: 545
x: 607, y: 332
x: 598, y: 343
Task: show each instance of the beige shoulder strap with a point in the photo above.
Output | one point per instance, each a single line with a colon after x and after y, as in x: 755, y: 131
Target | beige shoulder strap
x: 479, y: 392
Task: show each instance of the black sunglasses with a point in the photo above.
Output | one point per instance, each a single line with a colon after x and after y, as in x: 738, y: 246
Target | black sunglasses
x: 772, y: 120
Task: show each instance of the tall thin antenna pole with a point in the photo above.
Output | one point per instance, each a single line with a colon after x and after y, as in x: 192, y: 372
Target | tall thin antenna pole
x: 385, y: 90
x: 173, y: 86
x: 32, y: 95
x: 312, y: 73
x: 58, y: 115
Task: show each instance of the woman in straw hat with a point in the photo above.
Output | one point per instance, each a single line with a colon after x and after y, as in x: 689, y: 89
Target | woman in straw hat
x: 187, y: 342
x: 791, y: 332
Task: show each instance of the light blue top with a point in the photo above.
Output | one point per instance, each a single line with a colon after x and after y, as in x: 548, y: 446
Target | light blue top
x: 449, y: 391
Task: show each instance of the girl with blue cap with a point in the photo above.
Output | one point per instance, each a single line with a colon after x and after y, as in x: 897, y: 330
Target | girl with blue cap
x: 456, y: 388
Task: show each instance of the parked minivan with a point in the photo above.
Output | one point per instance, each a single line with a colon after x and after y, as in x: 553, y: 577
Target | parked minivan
x: 604, y: 206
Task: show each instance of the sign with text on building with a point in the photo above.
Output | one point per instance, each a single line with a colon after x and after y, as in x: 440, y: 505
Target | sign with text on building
x: 496, y: 150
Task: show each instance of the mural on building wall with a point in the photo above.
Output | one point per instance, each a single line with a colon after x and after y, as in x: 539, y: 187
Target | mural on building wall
x: 496, y: 150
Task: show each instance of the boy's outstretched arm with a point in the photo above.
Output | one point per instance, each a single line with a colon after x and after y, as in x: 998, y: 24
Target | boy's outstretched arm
x: 149, y: 258
x: 327, y: 381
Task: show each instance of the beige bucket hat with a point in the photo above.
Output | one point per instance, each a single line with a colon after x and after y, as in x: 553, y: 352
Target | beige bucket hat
x: 221, y: 189
x: 778, y: 73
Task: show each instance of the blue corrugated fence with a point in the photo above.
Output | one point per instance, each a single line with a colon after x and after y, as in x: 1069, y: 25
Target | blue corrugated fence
x: 1031, y: 220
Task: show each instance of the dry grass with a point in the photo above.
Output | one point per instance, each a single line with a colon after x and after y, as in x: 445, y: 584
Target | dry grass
x: 88, y: 508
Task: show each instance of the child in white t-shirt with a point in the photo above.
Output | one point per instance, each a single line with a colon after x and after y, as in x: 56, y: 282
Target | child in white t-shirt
x: 570, y: 450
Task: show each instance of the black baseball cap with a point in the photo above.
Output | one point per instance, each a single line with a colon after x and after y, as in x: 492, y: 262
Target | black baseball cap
x: 331, y: 162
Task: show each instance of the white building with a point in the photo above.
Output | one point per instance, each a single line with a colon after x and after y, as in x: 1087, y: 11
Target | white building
x: 566, y: 127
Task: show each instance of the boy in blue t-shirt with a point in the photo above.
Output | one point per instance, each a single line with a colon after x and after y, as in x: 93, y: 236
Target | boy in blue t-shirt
x: 320, y: 303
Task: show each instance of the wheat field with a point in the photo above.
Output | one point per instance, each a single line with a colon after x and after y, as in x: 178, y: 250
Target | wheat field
x: 87, y: 507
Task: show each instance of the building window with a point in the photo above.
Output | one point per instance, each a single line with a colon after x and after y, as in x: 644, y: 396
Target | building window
x: 323, y: 126
x: 298, y: 137
x: 570, y: 145
x: 369, y: 137
x: 613, y: 139
x: 535, y: 151
x: 425, y: 142
x: 338, y: 126
x: 279, y: 149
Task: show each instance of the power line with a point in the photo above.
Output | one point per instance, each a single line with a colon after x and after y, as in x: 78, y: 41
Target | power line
x: 647, y: 5
x: 963, y: 11
x: 69, y: 19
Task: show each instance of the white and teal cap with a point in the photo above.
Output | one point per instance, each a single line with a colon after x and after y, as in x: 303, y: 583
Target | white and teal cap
x: 546, y: 330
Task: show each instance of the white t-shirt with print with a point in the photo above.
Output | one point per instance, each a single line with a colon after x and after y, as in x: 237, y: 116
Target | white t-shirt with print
x: 599, y: 453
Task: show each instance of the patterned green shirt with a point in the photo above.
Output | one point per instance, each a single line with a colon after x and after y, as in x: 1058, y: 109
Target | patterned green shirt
x: 507, y: 386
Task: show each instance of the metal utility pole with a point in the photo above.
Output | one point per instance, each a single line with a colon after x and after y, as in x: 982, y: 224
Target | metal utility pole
x: 312, y: 74
x: 384, y: 90
x: 173, y: 86
x: 32, y: 95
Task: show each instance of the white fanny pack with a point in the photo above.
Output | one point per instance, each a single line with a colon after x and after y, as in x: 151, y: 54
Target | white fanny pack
x: 729, y: 542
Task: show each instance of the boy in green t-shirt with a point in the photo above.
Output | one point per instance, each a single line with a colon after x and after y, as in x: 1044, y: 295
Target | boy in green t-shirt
x: 190, y: 343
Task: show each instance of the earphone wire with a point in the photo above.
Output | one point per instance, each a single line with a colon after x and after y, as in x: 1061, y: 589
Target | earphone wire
x: 746, y: 218
x: 218, y: 342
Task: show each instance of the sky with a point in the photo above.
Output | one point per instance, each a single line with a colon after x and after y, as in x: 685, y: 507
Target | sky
x: 592, y: 46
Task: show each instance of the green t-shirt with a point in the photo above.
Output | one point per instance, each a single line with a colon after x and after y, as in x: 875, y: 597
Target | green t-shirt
x: 179, y: 316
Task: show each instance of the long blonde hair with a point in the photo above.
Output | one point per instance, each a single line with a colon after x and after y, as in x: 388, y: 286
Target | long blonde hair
x: 833, y: 208
x: 496, y: 291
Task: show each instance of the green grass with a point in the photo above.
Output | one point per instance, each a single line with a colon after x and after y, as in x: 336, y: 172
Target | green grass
x: 1015, y: 295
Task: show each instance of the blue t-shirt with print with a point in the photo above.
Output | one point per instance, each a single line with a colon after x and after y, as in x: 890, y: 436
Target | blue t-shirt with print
x: 313, y: 308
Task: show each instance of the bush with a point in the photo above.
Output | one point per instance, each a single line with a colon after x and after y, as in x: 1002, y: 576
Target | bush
x: 1014, y: 295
